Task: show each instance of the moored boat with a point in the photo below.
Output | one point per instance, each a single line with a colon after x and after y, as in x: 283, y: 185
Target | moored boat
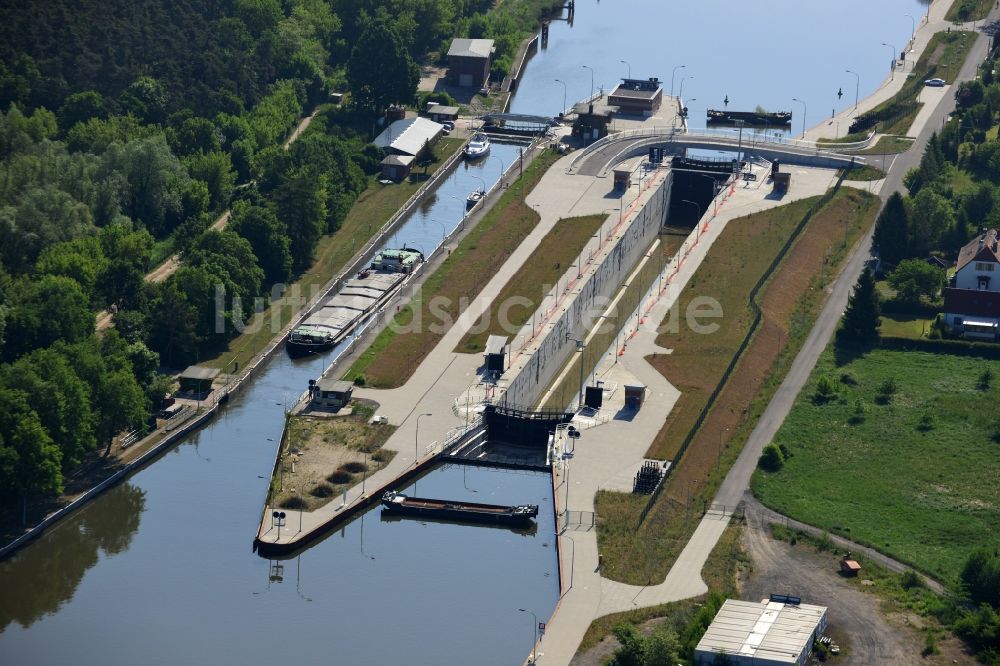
x: 422, y: 507
x: 750, y: 117
x: 474, y: 197
x: 478, y: 146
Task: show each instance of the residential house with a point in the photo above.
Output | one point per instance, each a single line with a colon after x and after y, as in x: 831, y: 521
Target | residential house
x: 972, y: 302
x: 469, y: 62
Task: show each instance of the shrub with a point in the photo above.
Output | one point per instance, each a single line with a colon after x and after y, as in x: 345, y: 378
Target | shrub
x: 825, y: 391
x: 909, y: 580
x: 985, y: 379
x: 380, y: 456
x: 359, y: 380
x: 930, y: 644
x: 354, y: 467
x: 295, y: 502
x: 322, y: 490
x: 848, y: 379
x: 860, y: 410
x: 886, y: 391
x: 340, y: 477
x: 824, y: 543
x: 771, y: 460
x: 926, y: 423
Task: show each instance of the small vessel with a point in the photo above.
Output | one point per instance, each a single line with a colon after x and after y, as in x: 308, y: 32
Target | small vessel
x: 479, y: 146
x: 750, y: 117
x: 474, y: 197
x: 340, y: 314
x: 422, y: 507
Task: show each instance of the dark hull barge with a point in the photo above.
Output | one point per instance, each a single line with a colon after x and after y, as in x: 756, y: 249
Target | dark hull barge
x: 493, y: 514
x: 749, y: 117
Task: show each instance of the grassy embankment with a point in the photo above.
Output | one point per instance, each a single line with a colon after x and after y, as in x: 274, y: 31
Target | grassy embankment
x: 725, y: 566
x: 637, y: 552
x: 372, y: 209
x: 943, y: 58
x: 399, y: 349
x: 546, y: 265
x: 913, y: 474
x: 969, y: 10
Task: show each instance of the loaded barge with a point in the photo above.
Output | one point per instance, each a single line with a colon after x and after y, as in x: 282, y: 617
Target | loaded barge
x: 360, y: 296
x: 494, y: 514
x: 750, y: 117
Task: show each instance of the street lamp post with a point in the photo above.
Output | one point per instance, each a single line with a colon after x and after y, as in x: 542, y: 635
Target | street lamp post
x: 892, y: 72
x: 697, y: 220
x: 416, y: 438
x: 563, y: 109
x: 580, y: 347
x: 739, y: 147
x: 804, y: 113
x: 591, y: 81
x: 627, y: 64
x: 913, y: 29
x: 857, y: 86
x: 534, y: 633
x: 672, y: 73
x: 680, y: 93
x: 572, y: 559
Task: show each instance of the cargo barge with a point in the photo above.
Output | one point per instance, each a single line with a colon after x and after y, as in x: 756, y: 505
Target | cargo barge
x: 340, y: 314
x: 493, y: 514
x: 749, y: 117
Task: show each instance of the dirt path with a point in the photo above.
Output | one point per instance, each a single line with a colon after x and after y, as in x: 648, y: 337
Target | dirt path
x: 854, y: 616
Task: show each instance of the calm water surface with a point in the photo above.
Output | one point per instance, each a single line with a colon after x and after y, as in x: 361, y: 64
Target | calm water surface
x: 159, y: 570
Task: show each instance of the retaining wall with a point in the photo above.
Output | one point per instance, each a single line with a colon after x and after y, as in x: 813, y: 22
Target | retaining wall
x: 526, y: 387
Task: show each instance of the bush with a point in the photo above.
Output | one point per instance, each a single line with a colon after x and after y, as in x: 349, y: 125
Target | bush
x: 380, y: 456
x: 930, y: 644
x: 322, y: 490
x: 354, y: 467
x: 926, y: 423
x: 340, y: 477
x: 860, y: 411
x: 909, y: 580
x: 886, y: 391
x: 295, y: 502
x: 985, y: 379
x: 825, y: 391
x: 771, y: 460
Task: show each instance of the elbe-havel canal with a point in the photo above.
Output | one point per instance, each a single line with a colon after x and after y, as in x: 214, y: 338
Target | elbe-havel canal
x: 159, y: 569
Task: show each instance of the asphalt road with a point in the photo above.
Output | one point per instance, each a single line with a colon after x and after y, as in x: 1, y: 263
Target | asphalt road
x: 737, y: 482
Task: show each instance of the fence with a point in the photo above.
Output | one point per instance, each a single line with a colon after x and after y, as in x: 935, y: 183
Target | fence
x: 745, y: 343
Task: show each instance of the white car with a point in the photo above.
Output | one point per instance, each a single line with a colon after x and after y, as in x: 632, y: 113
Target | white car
x: 935, y: 83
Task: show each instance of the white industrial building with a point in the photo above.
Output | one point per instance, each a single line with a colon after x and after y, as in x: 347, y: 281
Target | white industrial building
x: 768, y: 633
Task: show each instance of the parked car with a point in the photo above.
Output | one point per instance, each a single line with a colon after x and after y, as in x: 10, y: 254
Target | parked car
x: 448, y: 125
x: 935, y: 83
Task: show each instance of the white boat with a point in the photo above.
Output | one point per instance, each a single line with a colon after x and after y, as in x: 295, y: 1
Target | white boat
x: 475, y: 197
x: 479, y: 146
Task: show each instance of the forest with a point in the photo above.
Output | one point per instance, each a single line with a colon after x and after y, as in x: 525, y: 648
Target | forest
x: 126, y: 130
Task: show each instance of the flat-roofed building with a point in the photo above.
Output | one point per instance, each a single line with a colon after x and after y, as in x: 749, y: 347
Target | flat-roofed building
x: 637, y: 97
x: 766, y: 633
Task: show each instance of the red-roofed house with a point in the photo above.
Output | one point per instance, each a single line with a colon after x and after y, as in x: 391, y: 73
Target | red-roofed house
x: 972, y: 303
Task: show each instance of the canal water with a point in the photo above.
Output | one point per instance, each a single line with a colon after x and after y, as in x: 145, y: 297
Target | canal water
x: 160, y: 569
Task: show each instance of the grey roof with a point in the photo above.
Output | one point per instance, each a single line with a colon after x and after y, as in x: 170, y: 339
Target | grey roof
x: 336, y: 385
x: 399, y: 160
x: 408, y: 135
x: 770, y: 632
x: 443, y: 110
x: 495, y: 344
x: 471, y: 48
x: 200, y: 372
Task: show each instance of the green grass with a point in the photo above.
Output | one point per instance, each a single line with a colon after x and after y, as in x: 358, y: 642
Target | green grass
x: 903, y: 326
x: 546, y: 265
x: 400, y: 347
x: 969, y: 10
x: 372, y: 209
x: 925, y: 497
x: 864, y: 173
x: 887, y: 145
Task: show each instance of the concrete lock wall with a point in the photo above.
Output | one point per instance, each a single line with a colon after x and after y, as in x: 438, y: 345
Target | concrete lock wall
x: 526, y: 387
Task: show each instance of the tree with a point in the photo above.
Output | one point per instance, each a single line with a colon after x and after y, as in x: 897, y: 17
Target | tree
x: 771, y: 459
x: 81, y: 259
x: 215, y: 169
x: 892, y: 230
x: 145, y: 98
x: 981, y: 576
x: 155, y: 182
x: 301, y: 199
x: 30, y: 462
x: 915, y: 278
x: 268, y: 238
x: 861, y: 318
x: 380, y: 72
x: 931, y: 215
x: 50, y: 308
x: 426, y: 156
x: 80, y: 107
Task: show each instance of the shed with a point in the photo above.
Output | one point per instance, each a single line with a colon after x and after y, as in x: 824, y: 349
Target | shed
x: 397, y: 167
x: 768, y: 633
x: 197, y: 379
x: 635, y: 395
x: 623, y: 179
x: 408, y: 136
x: 440, y: 113
x: 782, y: 181
x: 331, y: 392
x: 849, y: 566
x: 494, y: 354
x: 469, y: 62
x: 592, y: 120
